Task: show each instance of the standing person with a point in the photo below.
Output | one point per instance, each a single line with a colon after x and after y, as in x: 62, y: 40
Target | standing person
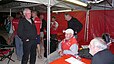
x: 43, y: 28
x: 15, y: 22
x: 101, y: 55
x: 54, y: 26
x: 28, y: 34
x: 9, y: 29
x: 53, y: 29
x: 38, y: 27
x: 74, y: 24
x: 42, y: 34
x: 17, y: 41
x: 67, y: 46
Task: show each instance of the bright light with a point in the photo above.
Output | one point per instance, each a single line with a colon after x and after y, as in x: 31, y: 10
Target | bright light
x: 77, y: 2
x: 95, y: 1
x: 61, y: 11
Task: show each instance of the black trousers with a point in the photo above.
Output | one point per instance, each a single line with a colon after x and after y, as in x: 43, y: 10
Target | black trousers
x: 53, y: 46
x: 29, y: 48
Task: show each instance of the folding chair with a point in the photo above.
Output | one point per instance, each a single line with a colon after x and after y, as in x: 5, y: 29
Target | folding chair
x: 6, y: 51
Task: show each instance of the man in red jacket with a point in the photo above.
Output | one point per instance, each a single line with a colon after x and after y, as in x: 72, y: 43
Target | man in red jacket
x: 67, y: 46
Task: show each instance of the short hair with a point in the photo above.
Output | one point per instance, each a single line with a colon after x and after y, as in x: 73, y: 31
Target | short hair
x: 25, y: 10
x: 66, y: 14
x: 35, y: 12
x: 106, y: 38
x: 18, y: 13
x: 99, y: 42
x: 54, y: 17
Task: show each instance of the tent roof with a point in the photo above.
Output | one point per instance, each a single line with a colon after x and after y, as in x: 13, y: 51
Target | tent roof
x: 40, y: 5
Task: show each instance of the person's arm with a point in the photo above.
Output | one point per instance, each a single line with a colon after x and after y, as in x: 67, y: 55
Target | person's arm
x: 73, y: 50
x: 59, y: 49
x: 79, y: 25
x: 56, y: 26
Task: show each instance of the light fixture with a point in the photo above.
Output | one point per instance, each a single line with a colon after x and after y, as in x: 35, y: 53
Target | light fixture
x: 96, y: 1
x: 61, y: 11
x: 77, y: 2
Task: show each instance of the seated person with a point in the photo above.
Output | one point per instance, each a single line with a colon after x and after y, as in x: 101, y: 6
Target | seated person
x: 67, y: 46
x: 100, y: 53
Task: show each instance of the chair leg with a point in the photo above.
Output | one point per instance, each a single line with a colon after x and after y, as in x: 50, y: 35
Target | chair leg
x: 9, y: 56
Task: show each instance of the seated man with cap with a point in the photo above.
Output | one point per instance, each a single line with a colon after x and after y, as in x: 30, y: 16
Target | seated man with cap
x: 68, y: 46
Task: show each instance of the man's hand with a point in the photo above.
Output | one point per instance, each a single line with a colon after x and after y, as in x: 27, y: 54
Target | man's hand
x: 60, y: 52
x: 27, y: 40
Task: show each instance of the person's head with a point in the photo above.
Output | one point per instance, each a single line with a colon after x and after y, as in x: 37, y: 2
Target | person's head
x: 18, y: 15
x: 67, y: 17
x: 27, y: 13
x: 97, y: 44
x: 53, y: 18
x: 41, y: 17
x: 106, y: 38
x: 10, y: 18
x: 68, y: 33
x: 34, y: 14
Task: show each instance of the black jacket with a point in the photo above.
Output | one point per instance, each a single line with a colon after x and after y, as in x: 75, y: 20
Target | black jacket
x: 26, y: 30
x: 44, y: 25
x: 103, y: 57
x: 75, y: 25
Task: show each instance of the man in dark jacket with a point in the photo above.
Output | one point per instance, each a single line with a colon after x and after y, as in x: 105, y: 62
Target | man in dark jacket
x: 101, y: 55
x: 28, y: 33
x: 73, y: 23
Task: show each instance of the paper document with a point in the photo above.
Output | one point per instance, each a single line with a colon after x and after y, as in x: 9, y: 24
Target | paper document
x: 85, y: 46
x: 72, y: 60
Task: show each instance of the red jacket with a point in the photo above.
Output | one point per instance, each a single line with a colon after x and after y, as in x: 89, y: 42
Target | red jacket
x: 38, y: 24
x: 66, y: 44
x: 54, y: 26
x: 15, y: 23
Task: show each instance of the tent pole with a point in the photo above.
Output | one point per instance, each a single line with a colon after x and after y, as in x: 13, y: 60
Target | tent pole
x: 86, y: 26
x: 10, y: 12
x: 87, y: 23
x: 48, y: 27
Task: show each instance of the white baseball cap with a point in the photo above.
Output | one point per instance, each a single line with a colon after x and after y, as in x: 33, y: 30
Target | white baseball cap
x: 68, y: 31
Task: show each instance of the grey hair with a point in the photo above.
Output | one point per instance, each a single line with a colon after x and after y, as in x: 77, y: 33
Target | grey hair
x: 99, y: 42
x: 25, y: 10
